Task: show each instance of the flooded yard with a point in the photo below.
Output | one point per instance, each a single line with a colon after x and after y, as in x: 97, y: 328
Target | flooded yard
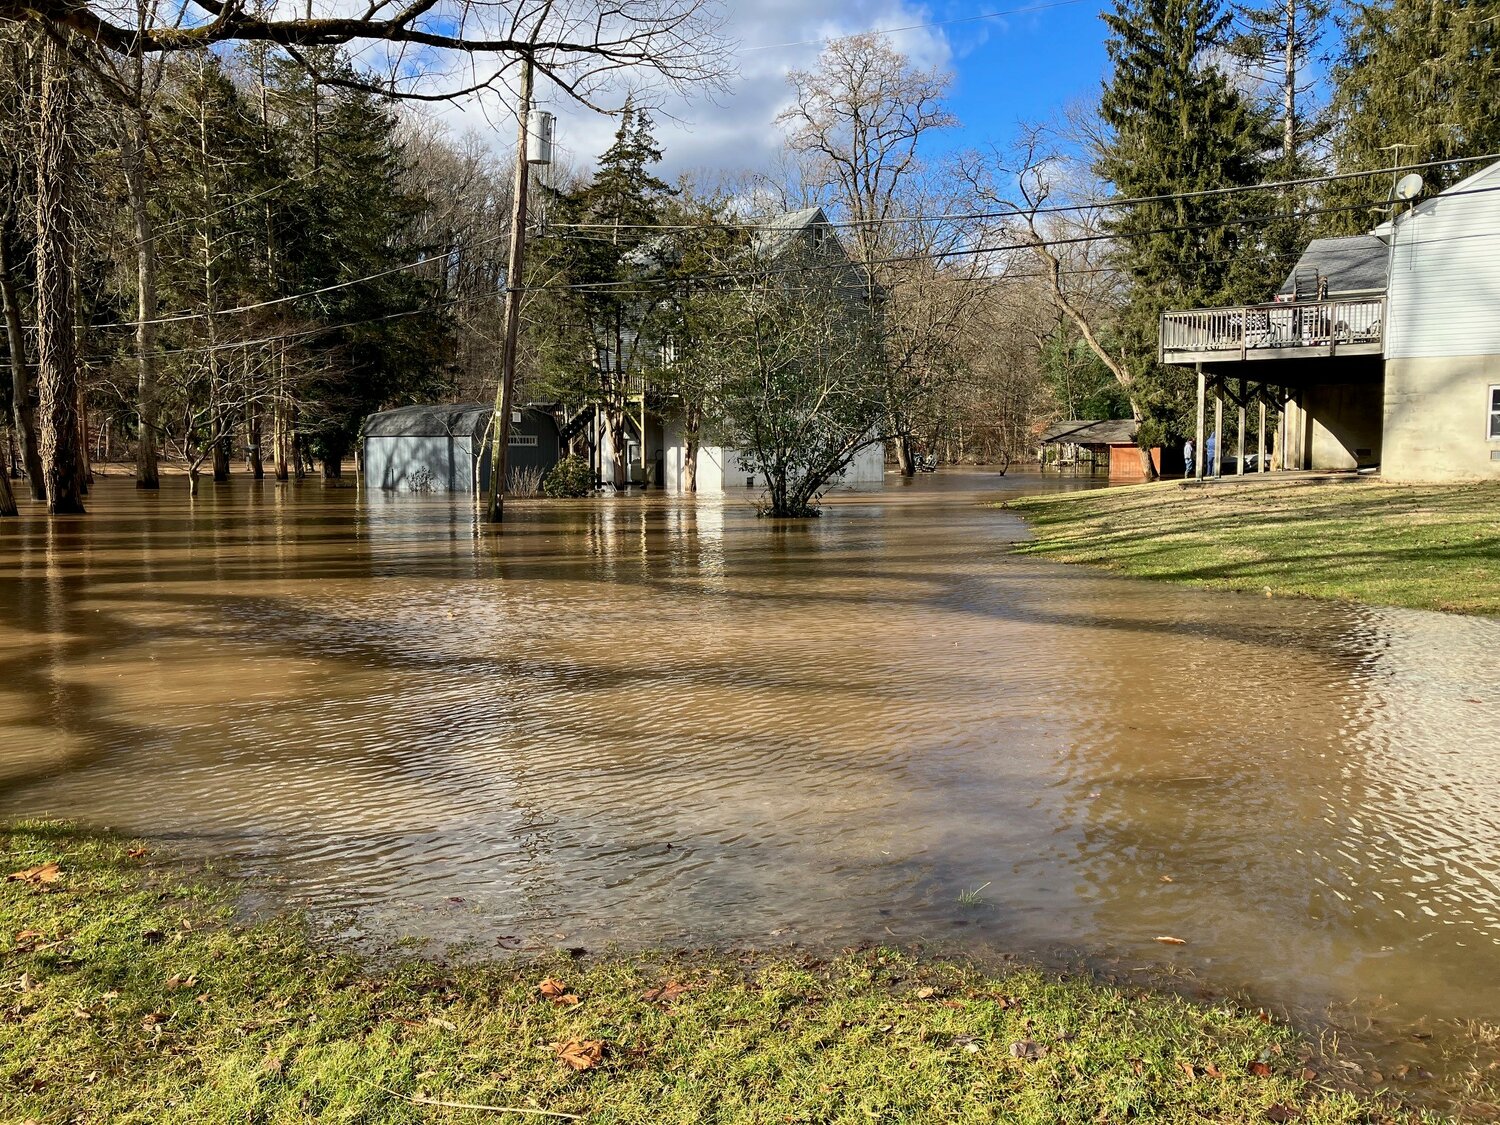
x: 651, y: 721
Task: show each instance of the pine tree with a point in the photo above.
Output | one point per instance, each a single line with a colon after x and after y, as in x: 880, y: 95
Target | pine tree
x: 1417, y: 81
x: 1177, y: 125
x: 619, y: 205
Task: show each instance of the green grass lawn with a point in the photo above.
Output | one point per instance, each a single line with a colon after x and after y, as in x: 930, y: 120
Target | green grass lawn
x: 1423, y: 546
x: 132, y: 997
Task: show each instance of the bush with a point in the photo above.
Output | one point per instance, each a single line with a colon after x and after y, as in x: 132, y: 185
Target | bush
x: 569, y: 479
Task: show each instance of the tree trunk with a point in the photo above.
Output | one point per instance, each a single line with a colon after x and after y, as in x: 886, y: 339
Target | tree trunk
x: 7, y: 497
x: 253, y: 427
x: 23, y: 394
x: 133, y: 163
x: 221, y: 446
x: 690, y: 465
x: 904, y: 460
x: 57, y: 356
x: 614, y: 421
x: 333, y: 468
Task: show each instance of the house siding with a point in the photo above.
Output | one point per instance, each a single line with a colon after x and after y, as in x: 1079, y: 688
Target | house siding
x: 1444, y: 295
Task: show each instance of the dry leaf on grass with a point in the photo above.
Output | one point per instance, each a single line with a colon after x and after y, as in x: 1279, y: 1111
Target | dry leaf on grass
x: 667, y: 993
x: 1168, y: 939
x: 36, y: 876
x: 579, y: 1054
x: 1027, y: 1049
x: 1260, y: 1069
x: 138, y: 853
x: 554, y: 990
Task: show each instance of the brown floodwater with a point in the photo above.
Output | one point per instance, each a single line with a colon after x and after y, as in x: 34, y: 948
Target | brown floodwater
x: 652, y: 721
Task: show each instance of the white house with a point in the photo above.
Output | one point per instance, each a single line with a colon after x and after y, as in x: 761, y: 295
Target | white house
x: 1380, y: 350
x: 1442, y: 336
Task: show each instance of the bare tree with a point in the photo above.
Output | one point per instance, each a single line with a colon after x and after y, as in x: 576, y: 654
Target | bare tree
x: 57, y: 357
x: 16, y: 91
x: 860, y: 117
x: 1068, y: 244
x: 859, y: 120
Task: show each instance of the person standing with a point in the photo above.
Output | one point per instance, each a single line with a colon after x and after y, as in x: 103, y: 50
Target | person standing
x: 1210, y: 466
x: 1189, y: 469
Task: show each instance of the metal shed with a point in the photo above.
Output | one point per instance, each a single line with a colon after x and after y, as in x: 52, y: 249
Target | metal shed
x: 447, y: 448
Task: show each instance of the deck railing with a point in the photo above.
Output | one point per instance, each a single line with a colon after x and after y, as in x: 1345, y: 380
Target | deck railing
x: 1274, y: 327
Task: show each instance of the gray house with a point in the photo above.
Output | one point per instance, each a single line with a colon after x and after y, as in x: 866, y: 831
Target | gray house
x: 447, y: 448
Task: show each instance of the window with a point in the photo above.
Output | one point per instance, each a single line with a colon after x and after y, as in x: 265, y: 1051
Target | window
x: 1495, y: 413
x: 521, y: 439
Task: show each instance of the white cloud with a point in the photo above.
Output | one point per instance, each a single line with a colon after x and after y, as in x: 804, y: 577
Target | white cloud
x: 732, y: 130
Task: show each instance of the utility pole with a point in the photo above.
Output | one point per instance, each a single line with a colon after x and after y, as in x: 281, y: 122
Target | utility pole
x: 500, y: 423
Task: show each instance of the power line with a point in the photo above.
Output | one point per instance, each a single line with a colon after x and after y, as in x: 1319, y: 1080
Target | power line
x: 1093, y: 205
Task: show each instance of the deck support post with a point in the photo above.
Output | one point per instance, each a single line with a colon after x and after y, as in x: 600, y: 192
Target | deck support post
x: 1198, y: 444
x: 1239, y: 436
x: 1281, y: 434
x: 1218, y: 431
x: 1260, y: 436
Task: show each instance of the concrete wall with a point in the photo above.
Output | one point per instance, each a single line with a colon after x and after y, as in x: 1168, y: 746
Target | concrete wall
x: 1437, y: 418
x: 1337, y: 426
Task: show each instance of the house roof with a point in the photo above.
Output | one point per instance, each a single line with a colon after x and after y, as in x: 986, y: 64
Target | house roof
x: 1080, y: 431
x: 1356, y: 264
x: 468, y: 419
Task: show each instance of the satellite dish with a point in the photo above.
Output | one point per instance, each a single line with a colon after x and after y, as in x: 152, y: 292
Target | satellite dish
x: 1408, y: 187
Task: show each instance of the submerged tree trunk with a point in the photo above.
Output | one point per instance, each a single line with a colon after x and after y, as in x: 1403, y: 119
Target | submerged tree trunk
x: 692, y: 425
x: 614, y: 421
x: 904, y: 459
x: 133, y: 163
x: 253, y: 428
x: 23, y: 394
x: 7, y: 497
x: 57, y: 357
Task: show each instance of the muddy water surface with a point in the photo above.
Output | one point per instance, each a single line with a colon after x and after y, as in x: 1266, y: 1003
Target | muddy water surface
x: 651, y: 721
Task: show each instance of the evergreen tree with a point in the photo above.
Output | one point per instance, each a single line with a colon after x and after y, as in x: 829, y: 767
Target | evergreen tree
x: 600, y: 340
x: 1177, y: 125
x: 347, y: 214
x: 1416, y: 81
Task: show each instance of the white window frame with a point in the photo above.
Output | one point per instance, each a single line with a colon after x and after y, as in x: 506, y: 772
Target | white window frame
x: 1492, y: 414
x: 522, y: 440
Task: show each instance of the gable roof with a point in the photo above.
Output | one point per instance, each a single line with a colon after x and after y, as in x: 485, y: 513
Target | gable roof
x: 468, y: 419
x: 1356, y: 264
x: 1080, y: 431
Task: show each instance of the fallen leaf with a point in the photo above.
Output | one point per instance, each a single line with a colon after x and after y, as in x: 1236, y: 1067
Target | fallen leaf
x: 1026, y: 1049
x: 1168, y: 939
x: 27, y: 935
x: 1376, y: 1076
x: 1260, y: 1069
x: 1167, y: 879
x: 926, y: 993
x: 580, y: 1054
x: 551, y: 988
x: 36, y: 876
x: 1308, y: 1074
x: 138, y: 853
x: 1212, y: 1071
x: 666, y: 993
x: 1189, y: 1069
x: 957, y: 1005
x: 1137, y: 1066
x: 1281, y: 1113
x: 439, y: 1021
x: 175, y: 982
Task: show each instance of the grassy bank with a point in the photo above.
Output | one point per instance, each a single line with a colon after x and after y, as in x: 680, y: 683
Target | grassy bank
x: 133, y: 998
x: 1426, y: 547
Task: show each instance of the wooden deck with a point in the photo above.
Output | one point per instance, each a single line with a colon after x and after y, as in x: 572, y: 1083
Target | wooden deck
x: 1288, y: 330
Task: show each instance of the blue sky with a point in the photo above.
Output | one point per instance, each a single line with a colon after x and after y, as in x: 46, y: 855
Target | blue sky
x: 1023, y: 66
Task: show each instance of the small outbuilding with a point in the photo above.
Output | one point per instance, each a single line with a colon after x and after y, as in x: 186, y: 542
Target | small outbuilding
x: 446, y: 448
x: 1109, y: 444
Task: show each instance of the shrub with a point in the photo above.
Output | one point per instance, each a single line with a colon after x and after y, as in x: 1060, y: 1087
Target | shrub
x: 569, y: 479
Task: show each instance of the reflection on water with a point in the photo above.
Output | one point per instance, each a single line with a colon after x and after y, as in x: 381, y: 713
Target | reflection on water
x: 653, y: 721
